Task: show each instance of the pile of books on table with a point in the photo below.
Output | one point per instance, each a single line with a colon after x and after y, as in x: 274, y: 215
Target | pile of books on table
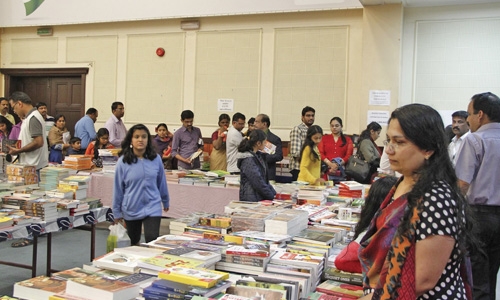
x: 77, y: 162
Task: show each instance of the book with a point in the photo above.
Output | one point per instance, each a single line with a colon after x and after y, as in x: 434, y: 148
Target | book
x: 118, y: 261
x: 195, y: 154
x: 249, y: 250
x: 315, y: 237
x: 285, y: 290
x: 321, y: 296
x: 335, y: 274
x: 247, y: 291
x: 153, y: 291
x: 39, y: 288
x: 340, y: 289
x: 239, y: 268
x: 72, y: 273
x: 163, y: 261
x: 197, y: 277
x: 191, y: 290
x: 97, y: 287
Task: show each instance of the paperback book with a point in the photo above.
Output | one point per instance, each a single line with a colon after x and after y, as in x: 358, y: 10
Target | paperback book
x: 197, y: 277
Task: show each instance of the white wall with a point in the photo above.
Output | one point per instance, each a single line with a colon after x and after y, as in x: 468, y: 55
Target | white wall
x: 449, y: 54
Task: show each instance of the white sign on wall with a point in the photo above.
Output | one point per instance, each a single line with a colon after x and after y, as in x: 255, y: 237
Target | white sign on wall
x: 225, y: 105
x: 378, y: 97
x: 379, y: 116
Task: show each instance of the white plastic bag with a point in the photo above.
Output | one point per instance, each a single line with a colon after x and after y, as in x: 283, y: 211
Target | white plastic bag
x: 118, y: 237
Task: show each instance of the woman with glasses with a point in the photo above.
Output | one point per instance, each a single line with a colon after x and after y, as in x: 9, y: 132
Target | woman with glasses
x: 335, y: 149
x: 368, y: 150
x: 415, y: 246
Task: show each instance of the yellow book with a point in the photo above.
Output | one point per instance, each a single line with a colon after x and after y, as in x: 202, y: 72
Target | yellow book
x: 196, y: 277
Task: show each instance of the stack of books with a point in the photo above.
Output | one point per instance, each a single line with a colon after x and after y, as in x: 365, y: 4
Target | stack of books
x: 50, y: 176
x: 316, y: 213
x: 245, y: 259
x: 178, y: 226
x: 21, y: 174
x: 247, y: 220
x: 287, y: 222
x: 46, y: 209
x: 351, y: 189
x: 265, y: 287
x: 98, y: 286
x: 311, y: 195
x: 77, y: 184
x: 77, y: 162
x: 39, y: 288
x: 315, y: 263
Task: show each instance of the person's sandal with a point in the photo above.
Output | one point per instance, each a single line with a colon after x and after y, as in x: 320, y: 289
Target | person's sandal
x: 23, y: 243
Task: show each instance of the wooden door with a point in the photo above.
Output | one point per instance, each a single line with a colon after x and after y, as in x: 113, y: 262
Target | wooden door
x: 66, y: 98
x: 62, y: 89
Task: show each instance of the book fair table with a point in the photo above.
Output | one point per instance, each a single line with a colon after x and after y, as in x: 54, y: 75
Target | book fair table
x: 34, y: 230
x: 184, y: 199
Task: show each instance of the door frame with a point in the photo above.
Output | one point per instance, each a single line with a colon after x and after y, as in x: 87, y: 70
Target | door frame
x: 11, y: 73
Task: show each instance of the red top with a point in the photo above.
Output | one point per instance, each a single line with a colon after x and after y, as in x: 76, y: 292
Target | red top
x: 330, y: 149
x: 90, y: 148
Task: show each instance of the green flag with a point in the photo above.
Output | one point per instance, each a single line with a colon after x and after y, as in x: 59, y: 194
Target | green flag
x: 32, y: 5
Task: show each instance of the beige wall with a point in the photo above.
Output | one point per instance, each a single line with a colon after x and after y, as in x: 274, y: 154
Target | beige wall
x: 271, y: 63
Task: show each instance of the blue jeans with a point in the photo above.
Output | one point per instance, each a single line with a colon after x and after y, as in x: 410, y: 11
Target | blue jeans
x: 485, y: 265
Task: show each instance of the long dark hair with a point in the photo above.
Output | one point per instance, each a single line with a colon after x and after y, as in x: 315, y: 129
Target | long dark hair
x: 378, y: 191
x: 310, y: 143
x: 8, y: 124
x: 255, y: 136
x: 128, y: 153
x: 423, y: 126
x: 100, y: 133
x: 366, y: 134
x: 342, y: 136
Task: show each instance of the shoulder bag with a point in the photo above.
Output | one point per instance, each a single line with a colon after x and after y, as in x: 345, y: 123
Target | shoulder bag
x: 358, y: 169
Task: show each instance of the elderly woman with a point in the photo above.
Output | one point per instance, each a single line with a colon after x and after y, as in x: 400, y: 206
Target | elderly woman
x: 415, y: 247
x: 58, y: 139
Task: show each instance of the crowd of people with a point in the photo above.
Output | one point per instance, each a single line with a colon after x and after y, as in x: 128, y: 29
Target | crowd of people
x: 428, y: 234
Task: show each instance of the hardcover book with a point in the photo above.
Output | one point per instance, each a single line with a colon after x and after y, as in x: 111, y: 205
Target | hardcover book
x: 197, y: 277
x: 98, y: 287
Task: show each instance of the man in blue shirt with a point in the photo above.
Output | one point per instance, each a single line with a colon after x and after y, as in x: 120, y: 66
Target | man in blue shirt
x: 187, y: 141
x: 84, y: 128
x: 479, y: 177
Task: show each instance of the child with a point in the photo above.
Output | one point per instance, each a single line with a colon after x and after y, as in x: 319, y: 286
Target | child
x: 254, y: 185
x: 75, y: 146
x: 163, y: 144
x: 348, y: 260
x: 101, y: 142
x: 310, y: 159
